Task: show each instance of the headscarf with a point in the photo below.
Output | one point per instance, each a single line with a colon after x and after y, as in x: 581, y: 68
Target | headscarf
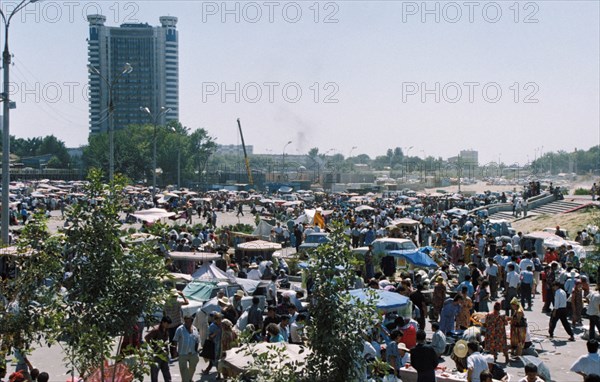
x: 515, y: 301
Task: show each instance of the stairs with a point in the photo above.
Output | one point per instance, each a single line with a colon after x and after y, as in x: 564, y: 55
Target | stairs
x: 552, y: 208
x: 557, y: 207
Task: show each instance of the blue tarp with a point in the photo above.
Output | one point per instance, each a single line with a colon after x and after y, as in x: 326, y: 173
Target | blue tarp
x: 384, y: 300
x: 419, y: 258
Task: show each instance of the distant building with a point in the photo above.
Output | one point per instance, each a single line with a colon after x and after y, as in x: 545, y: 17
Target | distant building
x: 233, y: 149
x: 469, y: 157
x: 152, y: 52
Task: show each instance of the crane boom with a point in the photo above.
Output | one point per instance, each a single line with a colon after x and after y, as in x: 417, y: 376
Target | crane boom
x: 250, y: 181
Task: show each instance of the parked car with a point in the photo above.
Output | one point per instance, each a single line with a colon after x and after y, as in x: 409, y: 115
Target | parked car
x: 313, y: 240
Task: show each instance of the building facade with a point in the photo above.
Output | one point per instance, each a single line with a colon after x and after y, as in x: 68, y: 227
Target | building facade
x: 152, y: 52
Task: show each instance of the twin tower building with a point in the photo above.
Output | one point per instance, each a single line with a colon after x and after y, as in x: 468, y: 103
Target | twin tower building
x: 133, y: 65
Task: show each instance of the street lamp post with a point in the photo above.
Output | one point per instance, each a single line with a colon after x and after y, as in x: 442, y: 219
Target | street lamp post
x: 127, y: 68
x: 6, y: 123
x: 163, y: 110
x: 283, y: 158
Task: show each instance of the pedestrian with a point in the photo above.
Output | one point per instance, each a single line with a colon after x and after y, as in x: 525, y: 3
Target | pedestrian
x: 438, y: 297
x: 512, y: 283
x: 438, y: 339
x: 577, y: 303
x: 172, y: 310
x: 495, y: 339
x: 518, y: 328
x: 161, y: 358
x: 186, y: 340
x: 423, y: 359
x: 484, y: 297
x: 463, y: 319
x: 593, y: 311
x: 589, y: 363
x: 476, y: 363
x: 229, y: 339
x: 213, y: 343
x: 526, y: 286
x: 449, y: 313
x: 593, y: 191
x: 240, y: 210
x: 560, y: 312
x: 492, y: 274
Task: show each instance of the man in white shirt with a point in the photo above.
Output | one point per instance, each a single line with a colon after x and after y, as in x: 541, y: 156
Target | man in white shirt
x: 560, y: 312
x: 589, y: 363
x: 512, y: 283
x: 593, y: 311
x: 476, y: 363
x: 531, y: 374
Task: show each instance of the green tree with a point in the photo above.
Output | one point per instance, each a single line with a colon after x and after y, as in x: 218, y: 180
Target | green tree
x: 200, y: 147
x: 110, y: 286
x: 339, y: 324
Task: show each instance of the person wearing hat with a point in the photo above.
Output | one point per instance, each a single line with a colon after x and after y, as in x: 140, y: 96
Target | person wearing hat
x: 254, y: 273
x: 518, y: 327
x: 227, y: 309
x: 237, y: 302
x: 397, y: 354
x: 186, y: 340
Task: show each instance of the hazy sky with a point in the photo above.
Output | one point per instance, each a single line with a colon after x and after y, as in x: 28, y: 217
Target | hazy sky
x: 504, y: 78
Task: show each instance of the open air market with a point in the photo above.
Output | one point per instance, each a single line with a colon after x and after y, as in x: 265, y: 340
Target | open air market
x: 300, y: 191
x: 446, y: 275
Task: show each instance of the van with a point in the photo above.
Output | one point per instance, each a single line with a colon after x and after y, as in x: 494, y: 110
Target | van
x: 385, y: 245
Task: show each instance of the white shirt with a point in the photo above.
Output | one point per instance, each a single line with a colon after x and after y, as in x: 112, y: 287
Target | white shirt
x: 594, y: 305
x: 525, y: 263
x: 560, y: 299
x: 587, y: 364
x: 513, y: 279
x: 478, y: 364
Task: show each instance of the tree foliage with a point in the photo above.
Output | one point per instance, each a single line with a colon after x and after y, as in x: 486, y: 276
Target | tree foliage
x: 338, y: 322
x: 84, y: 287
x: 133, y: 152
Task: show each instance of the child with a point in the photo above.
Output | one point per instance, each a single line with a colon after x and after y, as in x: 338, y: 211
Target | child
x: 531, y: 374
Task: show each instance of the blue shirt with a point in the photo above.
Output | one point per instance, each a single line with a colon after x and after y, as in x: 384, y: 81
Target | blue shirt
x: 527, y: 277
x: 470, y: 289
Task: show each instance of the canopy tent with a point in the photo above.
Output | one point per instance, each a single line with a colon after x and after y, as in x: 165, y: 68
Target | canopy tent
x: 263, y: 230
x: 178, y: 277
x: 364, y: 208
x: 153, y: 214
x: 419, y: 258
x: 405, y: 222
x: 457, y: 211
x: 259, y: 245
x: 208, y: 271
x: 194, y: 256
x: 384, y: 300
x: 199, y: 290
x: 240, y: 359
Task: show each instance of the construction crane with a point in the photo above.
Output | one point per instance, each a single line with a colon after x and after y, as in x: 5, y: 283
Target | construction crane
x: 250, y: 181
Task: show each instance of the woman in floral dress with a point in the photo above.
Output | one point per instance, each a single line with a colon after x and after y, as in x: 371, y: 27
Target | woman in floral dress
x: 495, y: 335
x: 463, y: 319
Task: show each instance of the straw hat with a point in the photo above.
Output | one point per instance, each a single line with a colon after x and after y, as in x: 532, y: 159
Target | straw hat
x: 239, y: 293
x: 253, y: 266
x: 402, y: 346
x: 224, y: 300
x: 515, y: 301
x: 461, y: 349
